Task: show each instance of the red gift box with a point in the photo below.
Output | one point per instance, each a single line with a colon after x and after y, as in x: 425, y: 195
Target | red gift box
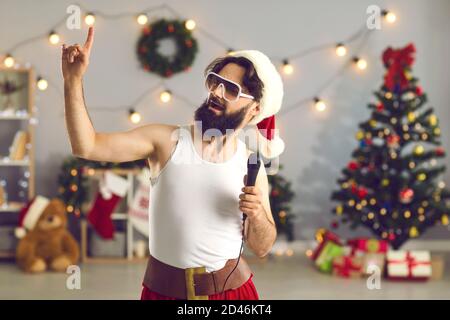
x: 366, y: 245
x: 347, y: 266
x: 326, y: 236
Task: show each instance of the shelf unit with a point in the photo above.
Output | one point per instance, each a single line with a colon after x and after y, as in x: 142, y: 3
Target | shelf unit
x: 130, y: 174
x: 28, y: 163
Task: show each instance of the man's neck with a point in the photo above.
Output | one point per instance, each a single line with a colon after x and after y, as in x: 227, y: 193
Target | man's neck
x: 216, y: 143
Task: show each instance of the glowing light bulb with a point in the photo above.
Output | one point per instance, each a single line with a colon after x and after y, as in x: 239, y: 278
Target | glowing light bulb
x: 190, y: 24
x: 319, y: 105
x: 165, y: 96
x: 135, y: 117
x: 341, y: 50
x: 360, y: 63
x: 287, y: 67
x: 142, y: 19
x: 8, y: 61
x: 53, y: 38
x: 389, y: 16
x: 42, y: 84
x: 89, y: 19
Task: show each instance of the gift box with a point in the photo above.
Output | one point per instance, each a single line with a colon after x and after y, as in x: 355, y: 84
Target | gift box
x: 408, y: 265
x: 372, y: 260
x: 437, y: 267
x: 328, y: 251
x: 360, y: 246
x: 329, y: 246
x: 348, y: 266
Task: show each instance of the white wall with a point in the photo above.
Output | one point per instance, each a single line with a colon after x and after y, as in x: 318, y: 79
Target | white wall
x: 317, y: 146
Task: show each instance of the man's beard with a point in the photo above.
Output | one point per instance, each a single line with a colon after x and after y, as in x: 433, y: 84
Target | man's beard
x: 222, y: 121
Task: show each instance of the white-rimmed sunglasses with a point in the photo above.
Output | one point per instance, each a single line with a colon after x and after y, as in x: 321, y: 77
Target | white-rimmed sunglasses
x: 231, y: 91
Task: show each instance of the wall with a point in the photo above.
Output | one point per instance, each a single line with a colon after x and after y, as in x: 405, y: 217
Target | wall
x: 318, y: 146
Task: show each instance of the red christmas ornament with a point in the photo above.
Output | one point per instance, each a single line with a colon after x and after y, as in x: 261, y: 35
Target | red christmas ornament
x: 440, y: 151
x: 334, y: 224
x: 419, y: 90
x: 354, y: 188
x: 275, y: 192
x: 143, y: 49
x: 353, y: 165
x: 146, y: 30
x: 362, y: 192
x: 406, y: 195
x: 188, y: 43
x: 391, y: 236
x: 393, y: 141
x: 146, y: 67
x: 170, y: 28
x: 380, y: 107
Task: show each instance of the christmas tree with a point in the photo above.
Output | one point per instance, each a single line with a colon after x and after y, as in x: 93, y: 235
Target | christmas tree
x: 391, y: 185
x: 280, y: 198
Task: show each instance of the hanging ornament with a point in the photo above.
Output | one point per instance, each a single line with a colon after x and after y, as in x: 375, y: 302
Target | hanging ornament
x: 339, y: 210
x: 362, y: 192
x: 421, y: 176
x: 393, y: 141
x: 353, y: 165
x: 413, y: 232
x: 444, y: 219
x: 380, y: 107
x: 432, y: 119
x: 360, y: 135
x: 334, y: 224
x: 275, y: 193
x: 385, y: 182
x: 419, y: 150
x: 440, y: 151
x: 406, y: 195
x: 411, y: 116
x: 419, y: 91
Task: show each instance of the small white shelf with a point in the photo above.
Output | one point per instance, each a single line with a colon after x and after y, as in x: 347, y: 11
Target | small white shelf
x: 11, y: 207
x: 14, y: 117
x: 14, y: 163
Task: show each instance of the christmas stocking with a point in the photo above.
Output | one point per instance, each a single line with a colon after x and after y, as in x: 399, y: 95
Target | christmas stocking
x: 112, y: 188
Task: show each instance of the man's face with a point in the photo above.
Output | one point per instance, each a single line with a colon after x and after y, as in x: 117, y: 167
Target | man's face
x: 217, y: 113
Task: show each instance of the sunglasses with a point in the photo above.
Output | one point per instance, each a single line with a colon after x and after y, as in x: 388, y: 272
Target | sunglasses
x: 231, y: 91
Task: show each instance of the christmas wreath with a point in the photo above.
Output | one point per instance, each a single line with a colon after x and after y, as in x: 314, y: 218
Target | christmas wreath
x: 166, y: 66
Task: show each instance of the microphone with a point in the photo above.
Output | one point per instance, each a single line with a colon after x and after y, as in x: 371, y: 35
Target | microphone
x: 253, y: 165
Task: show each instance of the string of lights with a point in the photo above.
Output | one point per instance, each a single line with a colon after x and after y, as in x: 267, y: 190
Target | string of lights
x: 142, y: 18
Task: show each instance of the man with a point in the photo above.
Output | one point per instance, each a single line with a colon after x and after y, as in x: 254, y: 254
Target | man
x: 198, y: 192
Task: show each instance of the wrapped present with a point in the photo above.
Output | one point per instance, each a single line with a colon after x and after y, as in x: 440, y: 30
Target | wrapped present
x: 408, y: 265
x: 371, y: 260
x: 328, y: 251
x: 347, y: 266
x: 361, y: 246
x: 437, y: 267
x: 329, y: 246
x: 324, y: 236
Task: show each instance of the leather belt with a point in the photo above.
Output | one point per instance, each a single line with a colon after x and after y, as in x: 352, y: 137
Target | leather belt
x: 194, y: 283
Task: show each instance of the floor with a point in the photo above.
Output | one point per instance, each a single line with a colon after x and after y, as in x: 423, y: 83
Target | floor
x: 276, y: 278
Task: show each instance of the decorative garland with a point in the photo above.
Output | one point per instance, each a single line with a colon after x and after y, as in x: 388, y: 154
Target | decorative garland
x: 73, y: 182
x: 147, y: 47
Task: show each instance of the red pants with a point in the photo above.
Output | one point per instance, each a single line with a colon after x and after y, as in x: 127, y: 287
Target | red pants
x: 245, y: 292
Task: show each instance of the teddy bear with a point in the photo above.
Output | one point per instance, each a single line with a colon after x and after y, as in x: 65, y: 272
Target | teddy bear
x: 47, y: 244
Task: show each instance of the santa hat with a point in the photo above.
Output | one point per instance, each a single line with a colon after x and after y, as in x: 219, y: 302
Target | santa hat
x: 29, y: 215
x: 269, y: 144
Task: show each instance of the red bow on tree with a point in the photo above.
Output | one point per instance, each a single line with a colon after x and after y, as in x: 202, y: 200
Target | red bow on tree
x: 396, y: 61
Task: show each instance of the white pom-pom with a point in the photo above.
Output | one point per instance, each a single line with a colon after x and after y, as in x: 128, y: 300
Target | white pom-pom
x: 20, y: 232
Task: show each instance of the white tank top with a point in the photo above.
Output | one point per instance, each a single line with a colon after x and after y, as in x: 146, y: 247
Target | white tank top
x: 194, y: 216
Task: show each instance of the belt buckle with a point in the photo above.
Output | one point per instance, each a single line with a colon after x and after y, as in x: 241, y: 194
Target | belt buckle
x: 190, y: 284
